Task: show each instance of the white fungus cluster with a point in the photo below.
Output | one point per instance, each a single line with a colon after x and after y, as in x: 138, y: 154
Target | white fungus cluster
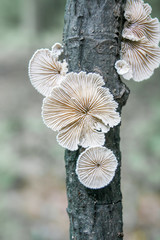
x: 140, y: 53
x: 81, y: 110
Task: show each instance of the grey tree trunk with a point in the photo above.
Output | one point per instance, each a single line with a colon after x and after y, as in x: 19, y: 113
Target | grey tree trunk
x: 92, y: 35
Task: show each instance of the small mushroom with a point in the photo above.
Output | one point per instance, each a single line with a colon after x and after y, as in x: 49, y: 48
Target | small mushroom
x: 139, y: 23
x: 142, y: 57
x: 57, y: 50
x: 45, y: 71
x: 81, y: 110
x: 124, y: 69
x: 96, y: 167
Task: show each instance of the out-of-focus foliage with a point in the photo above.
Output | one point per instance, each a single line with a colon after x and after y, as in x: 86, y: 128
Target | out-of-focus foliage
x: 32, y: 174
x: 30, y: 23
x: 48, y: 14
x: 10, y: 13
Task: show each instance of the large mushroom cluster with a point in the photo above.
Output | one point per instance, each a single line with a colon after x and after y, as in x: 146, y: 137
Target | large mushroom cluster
x: 140, y: 53
x: 80, y: 108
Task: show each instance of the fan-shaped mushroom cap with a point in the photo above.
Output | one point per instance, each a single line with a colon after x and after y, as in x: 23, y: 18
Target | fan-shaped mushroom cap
x: 142, y: 57
x: 139, y: 23
x: 136, y: 10
x: 57, y: 49
x: 81, y: 110
x: 45, y: 71
x: 96, y: 167
x: 149, y: 28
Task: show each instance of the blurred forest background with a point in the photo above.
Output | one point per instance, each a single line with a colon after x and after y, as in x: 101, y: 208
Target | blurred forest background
x: 32, y: 175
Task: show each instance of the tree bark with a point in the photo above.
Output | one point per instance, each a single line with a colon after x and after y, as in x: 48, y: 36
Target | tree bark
x: 92, y: 36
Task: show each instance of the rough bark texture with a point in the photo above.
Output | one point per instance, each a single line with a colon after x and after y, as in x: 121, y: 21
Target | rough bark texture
x: 92, y: 35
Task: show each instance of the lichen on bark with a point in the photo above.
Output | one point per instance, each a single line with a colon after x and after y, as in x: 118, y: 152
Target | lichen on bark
x: 92, y: 37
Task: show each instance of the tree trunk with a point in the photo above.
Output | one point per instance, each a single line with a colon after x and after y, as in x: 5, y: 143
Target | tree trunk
x: 92, y: 36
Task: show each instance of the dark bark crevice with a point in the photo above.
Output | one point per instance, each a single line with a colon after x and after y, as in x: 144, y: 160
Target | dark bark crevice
x: 92, y: 36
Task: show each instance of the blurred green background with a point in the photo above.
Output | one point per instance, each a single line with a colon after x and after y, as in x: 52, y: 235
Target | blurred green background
x: 32, y: 175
